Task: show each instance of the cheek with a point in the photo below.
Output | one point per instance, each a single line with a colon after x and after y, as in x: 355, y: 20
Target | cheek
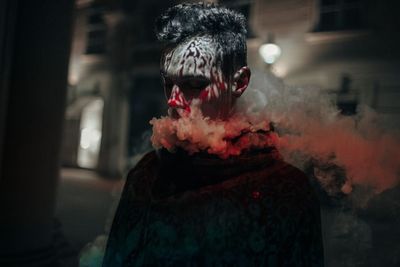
x: 218, y: 80
x: 204, y: 94
x: 213, y: 91
x: 208, y: 93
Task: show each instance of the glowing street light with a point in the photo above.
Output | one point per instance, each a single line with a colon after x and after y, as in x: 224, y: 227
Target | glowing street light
x: 269, y: 52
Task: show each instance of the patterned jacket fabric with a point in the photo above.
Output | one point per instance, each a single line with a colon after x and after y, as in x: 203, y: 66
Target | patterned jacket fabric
x: 250, y: 210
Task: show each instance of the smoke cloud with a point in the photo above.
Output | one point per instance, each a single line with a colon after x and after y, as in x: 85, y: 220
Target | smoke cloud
x: 194, y: 133
x: 342, y: 151
x: 311, y: 130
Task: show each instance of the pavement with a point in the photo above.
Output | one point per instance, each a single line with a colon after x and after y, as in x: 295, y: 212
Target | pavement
x: 86, y: 205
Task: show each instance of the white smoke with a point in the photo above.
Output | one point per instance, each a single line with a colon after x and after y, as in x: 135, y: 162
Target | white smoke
x: 311, y: 129
x: 194, y: 133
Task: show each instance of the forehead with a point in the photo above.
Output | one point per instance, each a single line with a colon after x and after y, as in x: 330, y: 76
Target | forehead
x: 197, y: 56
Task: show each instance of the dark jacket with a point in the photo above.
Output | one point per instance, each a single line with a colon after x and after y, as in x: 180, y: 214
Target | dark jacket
x: 249, y: 210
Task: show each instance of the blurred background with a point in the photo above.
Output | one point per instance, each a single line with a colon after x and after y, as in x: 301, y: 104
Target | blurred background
x: 80, y: 82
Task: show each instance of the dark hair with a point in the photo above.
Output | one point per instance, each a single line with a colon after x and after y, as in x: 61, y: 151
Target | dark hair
x: 226, y: 26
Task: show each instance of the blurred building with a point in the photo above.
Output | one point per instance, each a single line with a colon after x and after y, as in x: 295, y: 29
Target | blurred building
x: 114, y: 80
x: 346, y: 47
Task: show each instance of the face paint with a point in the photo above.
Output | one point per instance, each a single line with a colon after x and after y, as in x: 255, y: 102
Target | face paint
x: 192, y: 71
x: 177, y: 99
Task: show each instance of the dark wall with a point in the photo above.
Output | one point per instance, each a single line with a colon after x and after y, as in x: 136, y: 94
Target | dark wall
x: 34, y: 53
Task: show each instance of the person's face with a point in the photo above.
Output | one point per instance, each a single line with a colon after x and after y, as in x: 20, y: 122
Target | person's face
x: 192, y: 72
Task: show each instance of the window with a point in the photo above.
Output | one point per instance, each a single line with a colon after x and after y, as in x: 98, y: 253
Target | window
x: 339, y: 15
x: 96, y: 31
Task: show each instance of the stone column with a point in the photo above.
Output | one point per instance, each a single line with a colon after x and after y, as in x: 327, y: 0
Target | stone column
x: 31, y: 126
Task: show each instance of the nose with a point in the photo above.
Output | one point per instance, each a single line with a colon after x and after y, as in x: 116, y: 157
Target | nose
x: 177, y: 99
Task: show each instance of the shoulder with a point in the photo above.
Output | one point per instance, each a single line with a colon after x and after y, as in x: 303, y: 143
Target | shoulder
x: 145, y: 165
x: 148, y: 159
x: 293, y: 178
x: 282, y: 174
x: 287, y: 184
x: 140, y: 177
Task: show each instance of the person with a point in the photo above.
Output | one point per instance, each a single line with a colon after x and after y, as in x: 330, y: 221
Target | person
x: 193, y: 203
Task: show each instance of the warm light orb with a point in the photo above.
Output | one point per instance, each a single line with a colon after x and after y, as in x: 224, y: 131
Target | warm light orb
x: 90, y: 133
x: 269, y: 52
x: 89, y: 137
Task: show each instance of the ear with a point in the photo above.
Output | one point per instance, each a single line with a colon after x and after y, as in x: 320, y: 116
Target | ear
x: 241, y: 80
